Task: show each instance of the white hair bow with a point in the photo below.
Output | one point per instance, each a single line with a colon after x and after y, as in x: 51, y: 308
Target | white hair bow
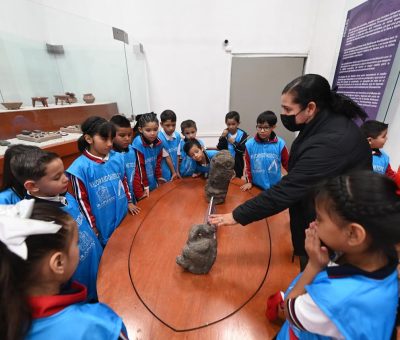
x: 15, y: 226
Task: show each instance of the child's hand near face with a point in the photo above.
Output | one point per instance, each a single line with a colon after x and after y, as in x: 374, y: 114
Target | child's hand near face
x: 133, y: 209
x: 318, y: 255
x: 224, y: 133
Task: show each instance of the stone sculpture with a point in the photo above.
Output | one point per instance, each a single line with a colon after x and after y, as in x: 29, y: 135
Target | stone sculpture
x: 221, y: 172
x: 200, y: 251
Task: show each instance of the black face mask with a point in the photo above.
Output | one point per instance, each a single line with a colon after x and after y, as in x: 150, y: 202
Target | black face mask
x: 289, y: 122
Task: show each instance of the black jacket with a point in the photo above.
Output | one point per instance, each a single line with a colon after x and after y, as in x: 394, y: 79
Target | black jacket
x: 239, y: 151
x: 328, y: 146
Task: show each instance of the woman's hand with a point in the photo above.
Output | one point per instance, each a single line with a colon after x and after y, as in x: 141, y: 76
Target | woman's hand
x: 221, y: 219
x: 196, y: 175
x: 318, y: 255
x: 133, y: 209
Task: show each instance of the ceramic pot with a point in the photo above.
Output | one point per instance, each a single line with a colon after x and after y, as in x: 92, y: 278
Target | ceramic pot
x: 88, y: 98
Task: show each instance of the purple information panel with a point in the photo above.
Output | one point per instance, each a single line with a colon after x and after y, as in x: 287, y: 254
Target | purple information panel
x: 369, y: 44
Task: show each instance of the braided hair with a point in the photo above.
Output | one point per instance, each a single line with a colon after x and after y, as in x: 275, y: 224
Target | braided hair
x: 369, y: 199
x: 143, y: 119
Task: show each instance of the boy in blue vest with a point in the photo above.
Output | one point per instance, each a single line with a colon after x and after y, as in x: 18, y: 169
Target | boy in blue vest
x: 265, y: 154
x: 170, y: 140
x: 376, y: 134
x: 42, y: 174
x: 234, y: 140
x: 187, y: 165
x: 122, y: 144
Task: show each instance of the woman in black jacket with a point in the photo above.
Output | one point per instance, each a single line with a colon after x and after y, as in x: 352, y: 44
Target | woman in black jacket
x: 329, y: 144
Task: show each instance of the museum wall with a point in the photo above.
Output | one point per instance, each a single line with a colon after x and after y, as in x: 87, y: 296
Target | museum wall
x: 188, y: 68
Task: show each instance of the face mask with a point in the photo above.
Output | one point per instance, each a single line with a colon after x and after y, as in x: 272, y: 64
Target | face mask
x: 289, y: 122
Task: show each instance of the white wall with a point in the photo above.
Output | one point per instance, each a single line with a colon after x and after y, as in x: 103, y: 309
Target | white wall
x: 188, y: 70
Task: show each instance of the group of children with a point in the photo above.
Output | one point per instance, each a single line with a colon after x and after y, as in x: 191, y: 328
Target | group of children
x: 115, y: 170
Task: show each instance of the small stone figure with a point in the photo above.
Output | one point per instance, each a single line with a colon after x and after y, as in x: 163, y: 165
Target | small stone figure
x: 200, y: 251
x: 221, y: 172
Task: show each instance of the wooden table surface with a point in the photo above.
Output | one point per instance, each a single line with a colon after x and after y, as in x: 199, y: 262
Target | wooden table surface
x: 139, y: 279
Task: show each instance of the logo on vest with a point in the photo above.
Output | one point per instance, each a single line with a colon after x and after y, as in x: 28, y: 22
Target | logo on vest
x: 103, y: 196
x: 85, y: 244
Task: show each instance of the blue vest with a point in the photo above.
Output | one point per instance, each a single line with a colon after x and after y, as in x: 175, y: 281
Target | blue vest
x: 206, y: 169
x: 90, y: 249
x: 265, y: 162
x: 360, y: 307
x: 150, y: 158
x: 79, y: 321
x: 380, y: 162
x: 172, y: 148
x: 238, y: 138
x: 9, y: 196
x: 188, y: 165
x: 130, y: 166
x: 103, y: 182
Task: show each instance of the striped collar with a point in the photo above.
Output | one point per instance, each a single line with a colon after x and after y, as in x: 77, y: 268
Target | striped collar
x: 94, y: 158
x: 148, y: 144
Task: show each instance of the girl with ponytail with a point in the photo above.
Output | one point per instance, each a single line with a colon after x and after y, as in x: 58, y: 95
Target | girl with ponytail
x: 38, y: 255
x: 149, y: 154
x: 354, y: 297
x: 98, y: 178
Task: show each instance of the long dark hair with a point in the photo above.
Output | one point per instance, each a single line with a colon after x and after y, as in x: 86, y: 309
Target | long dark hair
x: 369, y: 199
x: 315, y: 88
x: 16, y: 274
x: 191, y: 143
x: 9, y: 181
x: 95, y: 126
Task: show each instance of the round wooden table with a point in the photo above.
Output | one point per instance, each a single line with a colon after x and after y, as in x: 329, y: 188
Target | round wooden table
x: 140, y: 280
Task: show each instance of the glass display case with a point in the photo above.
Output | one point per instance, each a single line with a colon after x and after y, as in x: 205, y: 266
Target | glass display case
x: 49, y: 52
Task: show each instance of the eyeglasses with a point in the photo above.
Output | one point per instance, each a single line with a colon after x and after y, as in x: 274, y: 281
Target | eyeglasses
x: 263, y: 128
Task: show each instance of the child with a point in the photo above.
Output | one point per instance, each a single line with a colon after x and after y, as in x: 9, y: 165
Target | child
x: 42, y: 175
x: 358, y: 218
x: 265, y: 154
x: 12, y: 191
x: 148, y: 148
x: 98, y: 179
x: 122, y: 143
x: 187, y: 164
x: 33, y: 270
x: 376, y: 134
x: 202, y: 157
x: 170, y: 140
x: 234, y: 139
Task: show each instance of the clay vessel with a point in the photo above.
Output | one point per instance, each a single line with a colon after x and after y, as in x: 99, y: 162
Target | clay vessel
x: 12, y: 105
x: 88, y: 98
